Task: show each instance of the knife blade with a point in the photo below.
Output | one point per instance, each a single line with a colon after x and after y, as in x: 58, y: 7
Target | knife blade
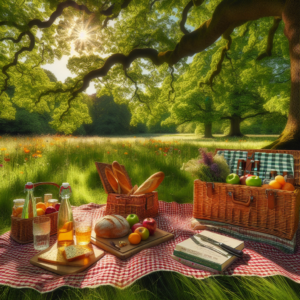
x: 232, y: 251
x: 207, y: 246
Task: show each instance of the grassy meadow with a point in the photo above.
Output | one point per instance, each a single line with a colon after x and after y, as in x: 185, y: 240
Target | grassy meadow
x: 72, y: 159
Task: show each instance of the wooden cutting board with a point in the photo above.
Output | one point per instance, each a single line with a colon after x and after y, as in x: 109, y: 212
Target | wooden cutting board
x: 159, y: 237
x: 69, y: 267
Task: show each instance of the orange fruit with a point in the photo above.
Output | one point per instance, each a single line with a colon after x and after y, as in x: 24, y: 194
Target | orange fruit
x: 19, y: 216
x: 288, y: 187
x: 68, y: 226
x: 41, y: 205
x: 275, y: 184
x: 266, y: 186
x: 40, y: 212
x: 17, y: 211
x: 134, y: 238
x: 280, y: 179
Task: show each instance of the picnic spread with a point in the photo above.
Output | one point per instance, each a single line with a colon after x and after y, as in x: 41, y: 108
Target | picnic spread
x: 243, y: 221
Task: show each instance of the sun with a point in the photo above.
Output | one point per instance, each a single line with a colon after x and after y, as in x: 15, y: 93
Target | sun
x: 82, y: 35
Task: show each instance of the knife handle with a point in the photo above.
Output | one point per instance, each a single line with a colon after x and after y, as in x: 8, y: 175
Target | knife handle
x: 232, y: 251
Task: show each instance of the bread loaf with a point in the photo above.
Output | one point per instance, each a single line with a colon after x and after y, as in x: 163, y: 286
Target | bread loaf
x: 150, y: 184
x: 76, y: 252
x: 112, y: 226
x: 111, y: 179
x: 121, y: 177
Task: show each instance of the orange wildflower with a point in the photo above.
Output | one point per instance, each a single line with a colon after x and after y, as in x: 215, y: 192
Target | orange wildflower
x: 21, y: 172
x: 38, y: 151
x: 26, y: 151
x: 125, y: 153
x: 26, y: 158
x: 7, y: 159
x: 39, y: 155
x: 108, y: 152
x: 3, y: 149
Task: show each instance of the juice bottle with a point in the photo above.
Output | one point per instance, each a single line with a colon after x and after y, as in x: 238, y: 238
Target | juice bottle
x: 65, y: 225
x: 29, y: 208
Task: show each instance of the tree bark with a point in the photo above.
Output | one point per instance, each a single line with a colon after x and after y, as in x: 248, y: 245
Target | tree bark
x: 208, y: 130
x: 235, y: 126
x: 290, y: 137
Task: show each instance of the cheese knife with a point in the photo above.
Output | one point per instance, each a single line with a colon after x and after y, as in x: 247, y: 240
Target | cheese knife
x: 230, y: 250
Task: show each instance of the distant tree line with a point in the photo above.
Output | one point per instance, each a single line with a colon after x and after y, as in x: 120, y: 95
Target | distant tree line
x: 110, y: 118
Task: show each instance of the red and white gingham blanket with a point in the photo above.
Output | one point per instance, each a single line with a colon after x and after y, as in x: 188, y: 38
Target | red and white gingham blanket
x: 260, y: 259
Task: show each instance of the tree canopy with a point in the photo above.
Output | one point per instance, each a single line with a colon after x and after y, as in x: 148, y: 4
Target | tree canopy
x: 137, y: 51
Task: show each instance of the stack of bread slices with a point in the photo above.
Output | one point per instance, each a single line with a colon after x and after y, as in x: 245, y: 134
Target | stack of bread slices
x: 63, y: 255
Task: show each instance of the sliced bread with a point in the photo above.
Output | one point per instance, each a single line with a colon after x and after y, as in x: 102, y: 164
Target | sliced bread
x: 55, y: 256
x: 76, y: 252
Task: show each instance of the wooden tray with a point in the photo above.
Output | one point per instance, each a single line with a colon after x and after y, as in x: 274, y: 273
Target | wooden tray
x: 159, y: 237
x: 70, y: 267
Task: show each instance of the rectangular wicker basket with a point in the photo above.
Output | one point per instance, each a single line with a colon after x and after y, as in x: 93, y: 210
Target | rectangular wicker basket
x: 270, y: 211
x: 22, y: 229
x: 143, y: 206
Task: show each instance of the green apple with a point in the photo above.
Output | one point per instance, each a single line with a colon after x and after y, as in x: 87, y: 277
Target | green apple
x: 233, y: 178
x: 143, y: 232
x: 253, y: 181
x: 132, y: 219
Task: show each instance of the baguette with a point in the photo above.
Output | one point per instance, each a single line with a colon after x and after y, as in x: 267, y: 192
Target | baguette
x: 132, y: 190
x: 150, y: 184
x: 111, y: 179
x: 121, y: 177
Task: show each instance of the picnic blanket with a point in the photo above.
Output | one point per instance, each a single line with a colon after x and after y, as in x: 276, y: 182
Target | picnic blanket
x: 259, y: 259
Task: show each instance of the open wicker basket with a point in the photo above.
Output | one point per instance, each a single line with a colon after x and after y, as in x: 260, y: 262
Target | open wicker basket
x: 270, y: 211
x: 143, y: 206
x: 22, y: 229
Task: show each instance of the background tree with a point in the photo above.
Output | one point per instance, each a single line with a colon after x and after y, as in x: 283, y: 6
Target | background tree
x: 145, y: 33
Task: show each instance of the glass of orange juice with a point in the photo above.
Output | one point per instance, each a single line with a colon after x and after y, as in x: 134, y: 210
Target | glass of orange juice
x: 83, y: 230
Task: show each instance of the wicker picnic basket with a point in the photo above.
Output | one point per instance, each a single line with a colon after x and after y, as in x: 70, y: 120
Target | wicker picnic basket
x: 22, y: 229
x: 144, y: 206
x: 270, y: 211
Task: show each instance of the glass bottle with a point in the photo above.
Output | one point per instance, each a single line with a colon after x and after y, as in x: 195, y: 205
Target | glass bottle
x: 29, y: 208
x: 273, y: 174
x: 65, y: 223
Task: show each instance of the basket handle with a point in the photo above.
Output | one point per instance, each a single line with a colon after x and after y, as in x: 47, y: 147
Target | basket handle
x: 46, y: 183
x: 243, y: 204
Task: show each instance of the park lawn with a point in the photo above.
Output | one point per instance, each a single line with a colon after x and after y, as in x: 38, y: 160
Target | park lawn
x: 71, y: 159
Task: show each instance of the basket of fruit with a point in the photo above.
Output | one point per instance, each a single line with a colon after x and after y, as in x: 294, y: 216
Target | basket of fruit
x: 122, y: 198
x: 255, y: 189
x: 21, y: 223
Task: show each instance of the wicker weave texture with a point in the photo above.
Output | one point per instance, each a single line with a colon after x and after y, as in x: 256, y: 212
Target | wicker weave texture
x: 295, y: 153
x: 281, y: 221
x: 22, y: 229
x: 143, y: 206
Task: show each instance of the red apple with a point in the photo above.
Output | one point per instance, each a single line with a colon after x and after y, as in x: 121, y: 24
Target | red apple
x: 150, y: 223
x: 50, y: 210
x: 243, y: 179
x: 143, y: 232
x: 135, y: 226
x: 57, y: 206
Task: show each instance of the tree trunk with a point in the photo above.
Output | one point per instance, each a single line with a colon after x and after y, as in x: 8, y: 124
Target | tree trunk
x: 208, y: 130
x: 290, y: 137
x: 235, y: 126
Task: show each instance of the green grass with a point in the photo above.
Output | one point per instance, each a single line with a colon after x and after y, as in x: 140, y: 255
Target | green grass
x: 72, y: 160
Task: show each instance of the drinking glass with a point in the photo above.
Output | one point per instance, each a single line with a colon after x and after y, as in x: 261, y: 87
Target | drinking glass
x: 41, y: 233
x: 83, y: 230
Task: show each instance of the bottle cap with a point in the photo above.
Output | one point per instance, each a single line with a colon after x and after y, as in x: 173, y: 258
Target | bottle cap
x: 65, y: 185
x: 29, y: 185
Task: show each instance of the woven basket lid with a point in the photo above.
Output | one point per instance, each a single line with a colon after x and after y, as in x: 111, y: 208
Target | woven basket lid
x: 295, y: 153
x: 101, y: 170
